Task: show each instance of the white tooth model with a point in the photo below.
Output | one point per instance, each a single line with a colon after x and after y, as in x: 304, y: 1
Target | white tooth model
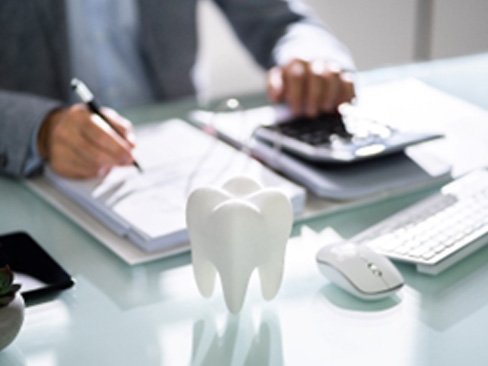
x: 235, y: 229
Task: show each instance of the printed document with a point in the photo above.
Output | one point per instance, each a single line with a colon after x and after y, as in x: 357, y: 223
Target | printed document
x: 149, y: 208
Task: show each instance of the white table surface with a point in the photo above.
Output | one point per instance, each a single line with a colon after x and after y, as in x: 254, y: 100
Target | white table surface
x: 153, y: 315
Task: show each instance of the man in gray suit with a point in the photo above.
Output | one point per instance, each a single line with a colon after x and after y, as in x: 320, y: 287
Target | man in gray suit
x: 133, y: 52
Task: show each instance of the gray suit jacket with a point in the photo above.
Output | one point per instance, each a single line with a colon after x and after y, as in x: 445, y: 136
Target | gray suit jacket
x: 34, y: 61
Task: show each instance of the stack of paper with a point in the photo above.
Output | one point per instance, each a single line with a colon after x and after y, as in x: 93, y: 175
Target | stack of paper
x: 149, y: 208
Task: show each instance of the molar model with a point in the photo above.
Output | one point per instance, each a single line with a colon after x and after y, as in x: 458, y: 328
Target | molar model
x: 235, y: 229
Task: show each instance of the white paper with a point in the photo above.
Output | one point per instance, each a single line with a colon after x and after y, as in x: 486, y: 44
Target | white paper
x: 411, y: 104
x: 149, y: 208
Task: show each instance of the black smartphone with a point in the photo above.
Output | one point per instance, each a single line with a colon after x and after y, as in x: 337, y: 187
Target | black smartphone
x: 39, y: 275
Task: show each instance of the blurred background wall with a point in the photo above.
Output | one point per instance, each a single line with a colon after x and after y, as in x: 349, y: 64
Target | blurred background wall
x: 378, y: 32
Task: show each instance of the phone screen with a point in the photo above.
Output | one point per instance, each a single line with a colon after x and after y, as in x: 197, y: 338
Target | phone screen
x: 39, y: 275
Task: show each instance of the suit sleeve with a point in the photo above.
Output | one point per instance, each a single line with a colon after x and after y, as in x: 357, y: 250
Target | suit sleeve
x: 277, y: 31
x: 20, y: 118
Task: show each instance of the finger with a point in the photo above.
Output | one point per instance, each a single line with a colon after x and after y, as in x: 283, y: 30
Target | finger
x: 333, y: 89
x: 70, y: 165
x: 314, y: 86
x: 347, y: 89
x: 102, y: 136
x: 122, y: 125
x: 91, y: 153
x: 295, y: 78
x: 78, y: 155
x: 275, y: 85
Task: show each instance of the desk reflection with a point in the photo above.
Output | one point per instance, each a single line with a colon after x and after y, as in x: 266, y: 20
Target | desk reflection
x: 454, y: 295
x: 241, y: 341
x: 12, y: 356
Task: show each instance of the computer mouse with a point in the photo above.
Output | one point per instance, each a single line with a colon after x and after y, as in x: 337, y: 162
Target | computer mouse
x: 359, y: 270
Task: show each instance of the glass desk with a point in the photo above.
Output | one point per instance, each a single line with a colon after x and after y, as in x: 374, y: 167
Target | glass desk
x: 153, y: 315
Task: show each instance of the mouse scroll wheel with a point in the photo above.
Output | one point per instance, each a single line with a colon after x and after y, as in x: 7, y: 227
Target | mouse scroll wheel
x: 376, y: 271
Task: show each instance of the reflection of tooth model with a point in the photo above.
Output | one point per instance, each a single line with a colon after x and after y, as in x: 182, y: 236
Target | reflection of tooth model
x: 235, y: 229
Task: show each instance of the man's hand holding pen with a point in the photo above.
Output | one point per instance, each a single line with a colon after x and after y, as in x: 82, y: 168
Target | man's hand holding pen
x: 79, y: 144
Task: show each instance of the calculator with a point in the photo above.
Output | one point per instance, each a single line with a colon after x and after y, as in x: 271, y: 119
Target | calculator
x: 331, y: 138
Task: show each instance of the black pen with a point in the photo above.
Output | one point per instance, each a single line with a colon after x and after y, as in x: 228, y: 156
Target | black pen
x: 88, y: 98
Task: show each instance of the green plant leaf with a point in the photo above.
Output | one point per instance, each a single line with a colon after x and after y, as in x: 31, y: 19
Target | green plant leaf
x: 6, y: 278
x: 7, y: 288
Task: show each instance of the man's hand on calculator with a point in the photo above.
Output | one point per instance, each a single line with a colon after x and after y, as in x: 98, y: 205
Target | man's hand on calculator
x: 310, y: 87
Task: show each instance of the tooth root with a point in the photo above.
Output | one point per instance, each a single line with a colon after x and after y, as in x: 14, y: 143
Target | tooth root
x: 205, y: 274
x: 239, y: 230
x: 199, y: 205
x: 271, y: 275
x: 277, y: 212
x: 234, y: 286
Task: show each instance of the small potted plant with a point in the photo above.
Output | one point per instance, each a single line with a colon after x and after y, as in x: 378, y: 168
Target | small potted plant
x: 11, y: 307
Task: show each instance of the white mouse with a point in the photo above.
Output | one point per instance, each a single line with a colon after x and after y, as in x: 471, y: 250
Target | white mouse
x: 359, y: 270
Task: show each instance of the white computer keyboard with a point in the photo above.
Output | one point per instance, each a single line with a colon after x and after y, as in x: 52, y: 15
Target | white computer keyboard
x: 439, y: 230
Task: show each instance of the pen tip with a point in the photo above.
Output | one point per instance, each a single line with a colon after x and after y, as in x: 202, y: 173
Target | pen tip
x: 136, y: 164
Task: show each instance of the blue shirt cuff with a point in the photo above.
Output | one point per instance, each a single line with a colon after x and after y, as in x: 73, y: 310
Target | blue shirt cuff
x: 34, y: 161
